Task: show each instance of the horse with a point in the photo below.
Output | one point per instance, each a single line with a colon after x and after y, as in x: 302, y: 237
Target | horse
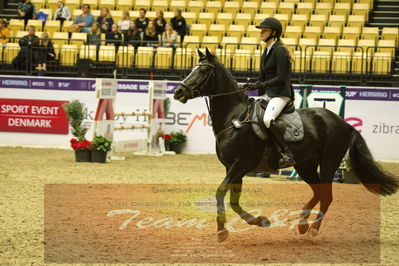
x: 327, y: 138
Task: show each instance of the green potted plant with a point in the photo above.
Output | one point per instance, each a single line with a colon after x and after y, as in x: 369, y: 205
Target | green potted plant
x: 175, y: 140
x: 100, y: 146
x: 76, y: 113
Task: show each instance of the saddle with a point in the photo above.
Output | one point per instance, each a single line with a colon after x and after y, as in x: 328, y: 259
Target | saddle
x: 289, y: 121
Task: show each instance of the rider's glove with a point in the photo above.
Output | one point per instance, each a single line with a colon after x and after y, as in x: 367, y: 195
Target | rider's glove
x: 256, y: 86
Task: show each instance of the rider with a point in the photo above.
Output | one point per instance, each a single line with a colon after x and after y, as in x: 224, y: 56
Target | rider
x: 274, y: 82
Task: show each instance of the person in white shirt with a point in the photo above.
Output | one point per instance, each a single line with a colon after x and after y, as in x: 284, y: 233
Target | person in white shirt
x: 124, y: 23
x: 62, y: 13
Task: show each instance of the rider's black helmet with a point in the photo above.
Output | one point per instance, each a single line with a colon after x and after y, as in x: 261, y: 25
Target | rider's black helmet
x: 272, y: 23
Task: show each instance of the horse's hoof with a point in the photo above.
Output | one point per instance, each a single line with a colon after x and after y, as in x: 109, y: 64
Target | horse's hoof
x: 313, y: 232
x: 264, y: 222
x: 223, y: 235
x: 303, y: 228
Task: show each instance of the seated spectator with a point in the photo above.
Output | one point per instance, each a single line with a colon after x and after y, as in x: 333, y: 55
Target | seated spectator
x: 179, y: 24
x: 124, y: 23
x: 169, y: 37
x: 114, y: 37
x: 45, y: 52
x: 26, y: 10
x: 28, y: 53
x: 105, y: 20
x: 83, y: 22
x: 4, y: 32
x: 133, y: 36
x: 160, y: 22
x: 142, y: 21
x: 151, y: 35
x: 94, y: 37
x: 62, y: 13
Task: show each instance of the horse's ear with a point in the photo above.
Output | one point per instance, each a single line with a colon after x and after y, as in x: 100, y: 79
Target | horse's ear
x: 200, y: 54
x: 209, y: 54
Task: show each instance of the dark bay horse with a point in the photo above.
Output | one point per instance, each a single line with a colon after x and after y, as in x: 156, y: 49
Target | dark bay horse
x: 327, y: 137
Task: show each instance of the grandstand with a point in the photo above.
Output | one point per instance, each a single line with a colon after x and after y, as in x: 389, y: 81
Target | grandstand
x: 329, y: 40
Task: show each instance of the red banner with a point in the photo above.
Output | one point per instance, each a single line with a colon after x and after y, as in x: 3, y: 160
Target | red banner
x: 34, y: 116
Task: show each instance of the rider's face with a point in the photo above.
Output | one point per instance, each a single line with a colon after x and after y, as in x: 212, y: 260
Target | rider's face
x: 264, y: 34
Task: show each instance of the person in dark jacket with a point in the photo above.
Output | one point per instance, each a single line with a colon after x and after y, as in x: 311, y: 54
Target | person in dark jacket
x: 133, y: 37
x: 114, y: 37
x: 105, y: 20
x: 28, y: 52
x: 151, y: 37
x: 160, y: 22
x: 142, y: 21
x: 45, y: 52
x: 26, y: 10
x: 274, y: 82
x: 179, y: 24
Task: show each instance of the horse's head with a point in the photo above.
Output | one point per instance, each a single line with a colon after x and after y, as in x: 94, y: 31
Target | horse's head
x: 200, y: 81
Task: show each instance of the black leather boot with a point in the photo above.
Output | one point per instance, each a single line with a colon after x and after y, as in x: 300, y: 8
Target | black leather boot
x: 288, y: 157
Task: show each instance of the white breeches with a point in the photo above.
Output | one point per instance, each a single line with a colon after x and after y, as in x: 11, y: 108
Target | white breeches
x: 274, y: 108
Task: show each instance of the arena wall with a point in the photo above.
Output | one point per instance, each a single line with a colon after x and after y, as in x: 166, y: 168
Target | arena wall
x: 373, y: 111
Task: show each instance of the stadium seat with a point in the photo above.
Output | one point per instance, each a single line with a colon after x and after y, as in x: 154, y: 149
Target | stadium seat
x: 213, y: 7
x: 252, y: 31
x: 224, y: 18
x: 390, y: 33
x: 217, y: 30
x: 318, y: 20
x: 364, y: 44
x: 249, y: 43
x: 307, y: 45
x: 190, y: 17
x: 384, y: 46
x: 106, y: 53
x: 332, y: 32
x: 16, y: 25
x: 299, y: 20
x: 351, y: 32
x: 38, y: 24
x: 342, y: 9
x: 341, y: 62
x: 160, y: 5
x: 268, y: 8
x: 75, y: 13
x: 361, y: 9
x: 116, y: 15
x: 337, y: 21
x: 66, y: 25
x: 250, y: 7
x: 312, y: 32
x: 20, y: 34
x: 284, y: 18
x: 305, y: 8
x: 144, y: 57
x: 72, y: 4
x: 261, y: 17
x: 60, y: 38
x: 96, y: 13
x: 370, y: 33
x: 230, y: 43
x: 138, y: 4
x: 225, y: 56
x: 135, y: 14
x: 356, y: 20
x: 183, y: 58
x: 68, y: 55
x: 206, y: 18
x: 293, y: 32
x: 242, y: 60
x: 195, y: 6
x: 79, y: 38
x: 179, y: 4
x: 168, y: 15
x: 243, y: 19
x: 110, y: 4
x: 231, y: 7
x: 326, y: 45
x: 10, y: 51
x: 198, y: 29
x: 191, y: 41
x: 359, y: 62
x: 324, y: 8
x: 381, y: 63
x: 39, y: 4
x: 125, y: 56
x: 163, y: 57
x: 286, y: 8
x: 88, y: 51
x: 346, y: 45
x: 93, y: 4
x: 124, y: 5
x: 291, y: 43
x: 211, y: 42
x: 321, y: 61
x: 47, y: 11
x: 236, y: 30
x: 53, y: 4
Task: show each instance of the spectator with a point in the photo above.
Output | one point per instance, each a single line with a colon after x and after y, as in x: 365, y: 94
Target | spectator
x: 28, y: 53
x: 179, y: 24
x: 124, y: 23
x: 114, y: 37
x: 160, y: 22
x: 150, y: 35
x: 169, y: 37
x: 133, y: 36
x: 62, y: 13
x: 105, y: 20
x: 26, y: 10
x: 84, y: 21
x: 94, y: 37
x: 142, y: 21
x: 45, y: 52
x: 4, y: 32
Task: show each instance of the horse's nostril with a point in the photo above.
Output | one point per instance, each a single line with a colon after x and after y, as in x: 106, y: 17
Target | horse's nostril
x: 178, y: 91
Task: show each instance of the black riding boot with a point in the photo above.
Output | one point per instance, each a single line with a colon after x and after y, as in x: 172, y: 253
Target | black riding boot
x: 288, y: 157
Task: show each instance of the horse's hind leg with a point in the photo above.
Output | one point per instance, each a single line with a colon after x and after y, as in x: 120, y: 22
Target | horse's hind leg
x: 308, y: 172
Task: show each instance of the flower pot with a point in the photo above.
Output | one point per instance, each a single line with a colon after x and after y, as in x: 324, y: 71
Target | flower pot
x: 98, y: 156
x: 176, y: 147
x: 83, y: 155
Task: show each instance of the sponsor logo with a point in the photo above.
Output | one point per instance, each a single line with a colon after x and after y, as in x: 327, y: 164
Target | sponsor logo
x: 355, y: 122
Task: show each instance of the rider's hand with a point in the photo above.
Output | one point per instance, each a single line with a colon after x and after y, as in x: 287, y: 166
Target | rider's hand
x: 242, y: 86
x: 255, y: 86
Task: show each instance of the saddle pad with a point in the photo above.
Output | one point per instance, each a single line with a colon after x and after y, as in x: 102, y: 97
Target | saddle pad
x: 290, y: 125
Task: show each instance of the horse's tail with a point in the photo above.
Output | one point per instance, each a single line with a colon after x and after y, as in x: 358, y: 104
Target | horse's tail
x: 367, y: 171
